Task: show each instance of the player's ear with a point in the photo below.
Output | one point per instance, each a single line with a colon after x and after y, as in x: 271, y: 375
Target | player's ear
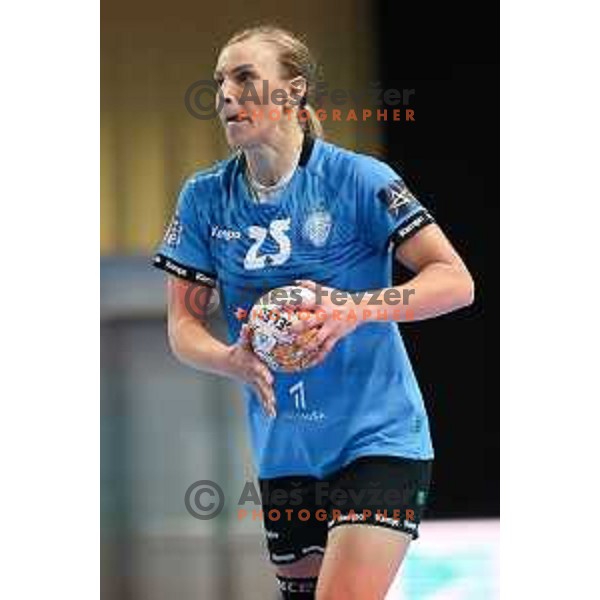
x: 298, y: 90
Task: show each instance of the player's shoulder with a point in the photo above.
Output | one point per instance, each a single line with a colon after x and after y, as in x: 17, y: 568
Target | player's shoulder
x: 342, y: 164
x: 206, y: 183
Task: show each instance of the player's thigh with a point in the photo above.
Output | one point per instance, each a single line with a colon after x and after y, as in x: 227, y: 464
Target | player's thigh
x: 361, y: 562
x: 376, y: 506
x: 295, y: 526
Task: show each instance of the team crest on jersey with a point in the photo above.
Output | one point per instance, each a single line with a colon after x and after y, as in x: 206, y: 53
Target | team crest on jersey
x: 173, y: 233
x: 397, y: 197
x: 317, y: 228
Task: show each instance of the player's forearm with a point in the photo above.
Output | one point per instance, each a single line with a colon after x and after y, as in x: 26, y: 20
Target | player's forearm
x: 438, y: 289
x: 194, y: 346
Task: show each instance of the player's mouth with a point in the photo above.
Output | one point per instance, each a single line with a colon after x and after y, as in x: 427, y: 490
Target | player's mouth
x: 238, y: 119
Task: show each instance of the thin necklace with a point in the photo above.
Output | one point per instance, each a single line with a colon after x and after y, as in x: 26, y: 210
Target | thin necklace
x: 260, y: 191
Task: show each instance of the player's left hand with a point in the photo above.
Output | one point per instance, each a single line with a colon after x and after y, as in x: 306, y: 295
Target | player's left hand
x: 330, y: 321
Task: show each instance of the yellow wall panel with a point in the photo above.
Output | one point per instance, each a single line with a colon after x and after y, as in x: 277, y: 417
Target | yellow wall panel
x: 108, y: 194
x: 151, y: 52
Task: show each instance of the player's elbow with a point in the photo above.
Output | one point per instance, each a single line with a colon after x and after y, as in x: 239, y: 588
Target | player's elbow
x: 465, y: 288
x: 175, y: 346
x: 175, y: 337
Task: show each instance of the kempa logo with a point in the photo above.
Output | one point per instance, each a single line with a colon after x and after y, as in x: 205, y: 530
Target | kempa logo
x: 405, y: 230
x: 175, y: 268
x: 225, y: 234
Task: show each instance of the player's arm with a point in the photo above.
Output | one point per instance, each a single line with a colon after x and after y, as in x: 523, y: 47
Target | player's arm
x: 389, y: 213
x: 393, y: 216
x: 189, y: 338
x: 442, y: 282
x: 195, y: 346
x: 186, y: 257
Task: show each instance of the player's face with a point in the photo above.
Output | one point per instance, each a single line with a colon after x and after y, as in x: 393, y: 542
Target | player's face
x: 249, y: 116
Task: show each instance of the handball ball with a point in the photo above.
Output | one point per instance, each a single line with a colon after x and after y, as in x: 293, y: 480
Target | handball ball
x: 270, y: 321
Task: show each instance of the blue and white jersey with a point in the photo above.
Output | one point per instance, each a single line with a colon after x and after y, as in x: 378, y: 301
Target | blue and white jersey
x: 335, y: 223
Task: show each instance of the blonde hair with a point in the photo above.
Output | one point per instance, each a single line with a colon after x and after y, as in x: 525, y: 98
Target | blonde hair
x: 295, y: 59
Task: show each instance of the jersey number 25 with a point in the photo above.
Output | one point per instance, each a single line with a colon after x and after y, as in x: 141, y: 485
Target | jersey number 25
x: 277, y: 230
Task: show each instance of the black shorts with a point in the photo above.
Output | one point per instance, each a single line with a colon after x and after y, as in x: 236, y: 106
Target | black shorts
x: 383, y: 491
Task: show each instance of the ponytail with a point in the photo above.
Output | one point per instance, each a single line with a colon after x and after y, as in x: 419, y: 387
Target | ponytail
x: 310, y: 122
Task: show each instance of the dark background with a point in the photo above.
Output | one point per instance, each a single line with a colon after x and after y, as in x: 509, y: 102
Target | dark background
x: 450, y: 158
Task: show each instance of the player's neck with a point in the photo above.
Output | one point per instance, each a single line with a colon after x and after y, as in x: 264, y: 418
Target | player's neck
x: 268, y: 163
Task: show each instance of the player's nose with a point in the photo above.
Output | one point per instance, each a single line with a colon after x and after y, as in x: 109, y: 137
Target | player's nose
x: 228, y: 92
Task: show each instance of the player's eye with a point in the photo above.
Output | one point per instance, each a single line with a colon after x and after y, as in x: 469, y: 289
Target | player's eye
x: 244, y: 76
x: 219, y: 80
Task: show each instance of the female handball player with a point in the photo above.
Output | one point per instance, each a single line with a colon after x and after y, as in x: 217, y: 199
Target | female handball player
x: 342, y: 448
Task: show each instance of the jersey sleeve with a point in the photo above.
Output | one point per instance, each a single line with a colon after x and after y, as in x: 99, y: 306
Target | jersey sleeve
x: 185, y: 249
x: 387, y: 210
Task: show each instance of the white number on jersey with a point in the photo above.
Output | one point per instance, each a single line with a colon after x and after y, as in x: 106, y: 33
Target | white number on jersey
x: 297, y: 393
x: 277, y: 230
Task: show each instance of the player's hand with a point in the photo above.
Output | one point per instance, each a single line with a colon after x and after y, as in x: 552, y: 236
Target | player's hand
x: 246, y: 366
x: 330, y: 322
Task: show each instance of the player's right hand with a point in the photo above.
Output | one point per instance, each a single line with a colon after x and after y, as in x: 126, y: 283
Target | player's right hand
x: 246, y: 366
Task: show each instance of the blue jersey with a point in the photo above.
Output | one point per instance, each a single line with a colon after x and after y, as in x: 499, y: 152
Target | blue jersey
x: 336, y: 223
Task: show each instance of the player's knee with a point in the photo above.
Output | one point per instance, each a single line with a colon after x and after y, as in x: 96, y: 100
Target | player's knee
x: 307, y: 567
x: 338, y: 592
x: 345, y: 584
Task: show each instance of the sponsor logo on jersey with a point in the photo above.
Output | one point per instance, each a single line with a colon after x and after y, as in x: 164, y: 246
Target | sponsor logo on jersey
x: 171, y: 266
x: 225, y: 234
x: 204, y: 279
x: 415, y: 223
x: 313, y: 416
x: 317, y: 228
x: 397, y: 197
x: 173, y: 233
